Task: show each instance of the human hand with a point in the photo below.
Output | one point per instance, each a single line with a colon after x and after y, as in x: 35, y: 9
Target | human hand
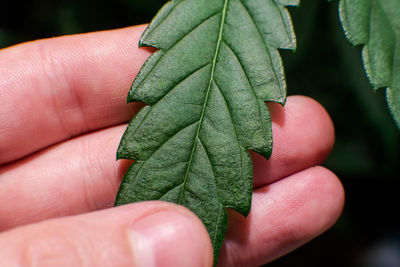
x: 63, y: 111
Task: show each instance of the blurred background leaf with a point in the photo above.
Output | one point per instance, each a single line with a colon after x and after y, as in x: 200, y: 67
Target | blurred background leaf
x: 326, y: 67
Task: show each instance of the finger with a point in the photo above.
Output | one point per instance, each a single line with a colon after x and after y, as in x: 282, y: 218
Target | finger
x: 82, y: 175
x: 303, y: 137
x: 145, y: 234
x: 57, y: 88
x: 74, y: 177
x: 284, y: 216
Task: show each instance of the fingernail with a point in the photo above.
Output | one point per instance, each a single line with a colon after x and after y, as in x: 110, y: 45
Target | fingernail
x: 169, y: 238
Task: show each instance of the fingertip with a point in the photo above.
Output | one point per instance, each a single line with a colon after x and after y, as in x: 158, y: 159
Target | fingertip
x: 303, y: 136
x: 311, y: 201
x: 171, y: 237
x: 327, y: 186
x: 302, y: 119
x: 320, y: 124
x: 284, y: 216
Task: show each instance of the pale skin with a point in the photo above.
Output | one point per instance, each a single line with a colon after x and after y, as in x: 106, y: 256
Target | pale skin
x: 63, y: 111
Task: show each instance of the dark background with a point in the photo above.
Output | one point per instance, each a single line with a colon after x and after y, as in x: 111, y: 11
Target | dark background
x: 326, y: 67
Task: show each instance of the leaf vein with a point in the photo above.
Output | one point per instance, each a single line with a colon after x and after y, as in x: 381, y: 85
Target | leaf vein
x: 267, y: 48
x: 146, y: 160
x: 181, y: 81
x: 234, y: 129
x: 193, y: 29
x: 165, y: 18
x: 212, y: 167
x: 216, y: 226
x: 180, y: 40
x: 207, y: 96
x: 248, y: 79
x: 282, y: 19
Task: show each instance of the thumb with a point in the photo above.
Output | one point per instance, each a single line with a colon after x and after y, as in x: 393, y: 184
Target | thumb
x: 142, y: 234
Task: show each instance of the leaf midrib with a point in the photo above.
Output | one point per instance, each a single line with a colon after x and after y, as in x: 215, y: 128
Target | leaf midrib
x: 214, y: 63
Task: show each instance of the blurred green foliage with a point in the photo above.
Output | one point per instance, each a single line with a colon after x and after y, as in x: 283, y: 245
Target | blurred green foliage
x: 325, y: 66
x: 329, y: 69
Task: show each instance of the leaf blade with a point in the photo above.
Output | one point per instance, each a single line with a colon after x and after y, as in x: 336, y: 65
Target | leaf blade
x: 376, y: 25
x: 206, y: 87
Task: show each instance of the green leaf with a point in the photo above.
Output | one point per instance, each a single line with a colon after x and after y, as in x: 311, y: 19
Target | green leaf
x: 206, y: 89
x: 376, y: 25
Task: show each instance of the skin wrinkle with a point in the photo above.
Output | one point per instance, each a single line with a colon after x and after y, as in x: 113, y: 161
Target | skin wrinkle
x: 12, y: 104
x: 67, y: 106
x: 95, y: 168
x: 89, y: 169
x: 33, y: 59
x: 292, y: 152
x: 23, y: 72
x: 47, y: 252
x: 64, y: 247
x: 88, y: 243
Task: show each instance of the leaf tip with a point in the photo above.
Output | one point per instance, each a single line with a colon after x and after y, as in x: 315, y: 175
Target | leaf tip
x: 120, y: 152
